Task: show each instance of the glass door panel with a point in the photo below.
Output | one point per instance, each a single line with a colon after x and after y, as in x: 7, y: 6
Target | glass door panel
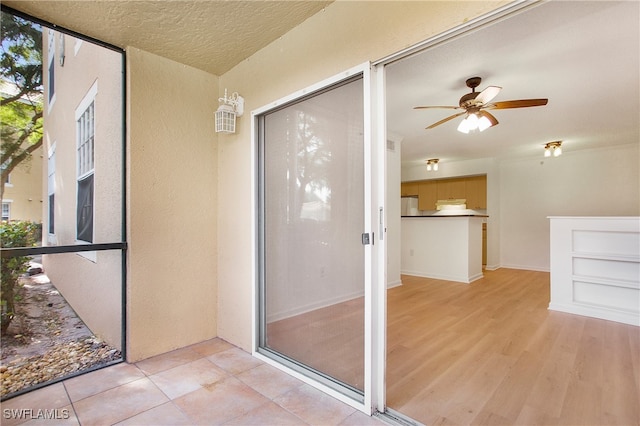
x: 312, y: 220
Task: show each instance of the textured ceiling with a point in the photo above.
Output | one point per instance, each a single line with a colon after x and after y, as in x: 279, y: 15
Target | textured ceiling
x: 583, y: 56
x: 210, y: 35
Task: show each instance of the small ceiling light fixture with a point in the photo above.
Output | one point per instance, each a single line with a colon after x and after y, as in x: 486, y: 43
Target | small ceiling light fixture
x: 432, y: 164
x: 476, y: 120
x: 230, y: 108
x: 553, y: 147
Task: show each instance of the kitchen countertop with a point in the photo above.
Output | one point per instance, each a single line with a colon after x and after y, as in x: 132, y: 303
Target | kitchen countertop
x: 452, y: 213
x: 447, y: 215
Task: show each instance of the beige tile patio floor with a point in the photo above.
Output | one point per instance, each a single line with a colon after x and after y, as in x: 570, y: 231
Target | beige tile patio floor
x: 210, y: 383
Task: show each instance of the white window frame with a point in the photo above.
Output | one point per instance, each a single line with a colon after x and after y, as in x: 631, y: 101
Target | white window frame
x: 85, y: 142
x: 86, y: 167
x: 51, y: 63
x: 51, y: 190
x: 76, y: 46
x: 61, y: 55
x: 6, y: 203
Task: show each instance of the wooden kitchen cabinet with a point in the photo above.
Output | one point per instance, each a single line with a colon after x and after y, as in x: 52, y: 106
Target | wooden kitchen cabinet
x: 409, y: 188
x: 427, y: 195
x: 476, y: 192
x: 472, y: 188
x: 448, y: 189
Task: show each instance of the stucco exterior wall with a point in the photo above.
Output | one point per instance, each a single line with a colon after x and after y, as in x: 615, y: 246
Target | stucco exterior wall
x: 92, y: 281
x: 341, y: 36
x: 24, y: 190
x: 172, y: 204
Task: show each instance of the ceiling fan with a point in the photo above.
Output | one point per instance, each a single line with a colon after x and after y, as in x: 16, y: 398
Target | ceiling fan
x: 475, y: 105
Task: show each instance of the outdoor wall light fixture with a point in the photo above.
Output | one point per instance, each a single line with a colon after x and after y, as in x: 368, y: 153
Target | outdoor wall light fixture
x: 553, y: 148
x: 230, y: 108
x: 432, y: 164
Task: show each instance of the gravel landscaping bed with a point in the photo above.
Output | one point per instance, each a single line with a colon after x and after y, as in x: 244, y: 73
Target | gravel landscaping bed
x: 46, y: 340
x: 61, y: 360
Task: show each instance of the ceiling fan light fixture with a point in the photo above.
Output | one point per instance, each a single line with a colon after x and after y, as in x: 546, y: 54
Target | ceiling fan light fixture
x: 554, y: 148
x: 469, y: 123
x: 475, y: 106
x: 463, y: 127
x: 473, y: 122
x: 484, y: 123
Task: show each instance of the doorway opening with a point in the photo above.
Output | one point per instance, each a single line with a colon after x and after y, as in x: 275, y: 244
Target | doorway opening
x: 457, y: 352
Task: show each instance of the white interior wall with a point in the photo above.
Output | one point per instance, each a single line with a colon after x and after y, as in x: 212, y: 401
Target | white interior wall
x: 393, y: 213
x: 603, y: 182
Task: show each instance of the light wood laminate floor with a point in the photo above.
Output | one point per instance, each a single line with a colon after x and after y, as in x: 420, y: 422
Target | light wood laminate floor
x: 490, y: 352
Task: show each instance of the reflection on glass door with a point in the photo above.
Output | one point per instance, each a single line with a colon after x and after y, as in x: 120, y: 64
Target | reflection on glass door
x: 311, y: 248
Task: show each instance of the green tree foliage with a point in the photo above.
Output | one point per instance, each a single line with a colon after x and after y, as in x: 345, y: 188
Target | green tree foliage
x: 21, y: 82
x: 13, y: 234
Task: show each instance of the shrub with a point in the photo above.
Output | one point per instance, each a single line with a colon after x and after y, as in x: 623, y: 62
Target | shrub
x: 12, y: 235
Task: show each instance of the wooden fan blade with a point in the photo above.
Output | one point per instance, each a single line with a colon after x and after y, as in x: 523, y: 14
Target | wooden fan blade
x: 522, y: 103
x: 451, y: 117
x: 487, y: 94
x: 437, y: 106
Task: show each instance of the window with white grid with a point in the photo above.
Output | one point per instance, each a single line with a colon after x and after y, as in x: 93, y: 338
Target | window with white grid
x: 51, y: 188
x: 6, y: 211
x: 86, y: 132
x: 85, y: 160
x: 51, y: 66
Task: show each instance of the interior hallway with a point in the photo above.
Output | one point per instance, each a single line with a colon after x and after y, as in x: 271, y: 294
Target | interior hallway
x: 211, y: 383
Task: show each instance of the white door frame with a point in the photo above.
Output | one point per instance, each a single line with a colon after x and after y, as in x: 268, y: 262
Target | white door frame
x: 374, y: 279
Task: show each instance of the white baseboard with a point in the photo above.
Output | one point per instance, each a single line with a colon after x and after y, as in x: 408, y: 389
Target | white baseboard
x: 299, y: 310
x: 457, y: 278
x: 394, y: 284
x: 322, y: 304
x: 523, y: 267
x: 601, y: 313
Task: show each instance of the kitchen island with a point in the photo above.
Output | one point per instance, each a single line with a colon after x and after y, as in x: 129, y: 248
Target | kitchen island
x: 441, y: 246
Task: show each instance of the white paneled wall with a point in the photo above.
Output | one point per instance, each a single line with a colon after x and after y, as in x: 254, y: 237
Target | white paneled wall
x: 595, y: 267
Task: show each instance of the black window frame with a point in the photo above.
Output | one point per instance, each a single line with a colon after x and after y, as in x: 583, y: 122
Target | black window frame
x: 87, y: 247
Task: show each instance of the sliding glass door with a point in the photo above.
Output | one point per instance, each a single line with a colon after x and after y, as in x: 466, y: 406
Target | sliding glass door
x: 313, y: 237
